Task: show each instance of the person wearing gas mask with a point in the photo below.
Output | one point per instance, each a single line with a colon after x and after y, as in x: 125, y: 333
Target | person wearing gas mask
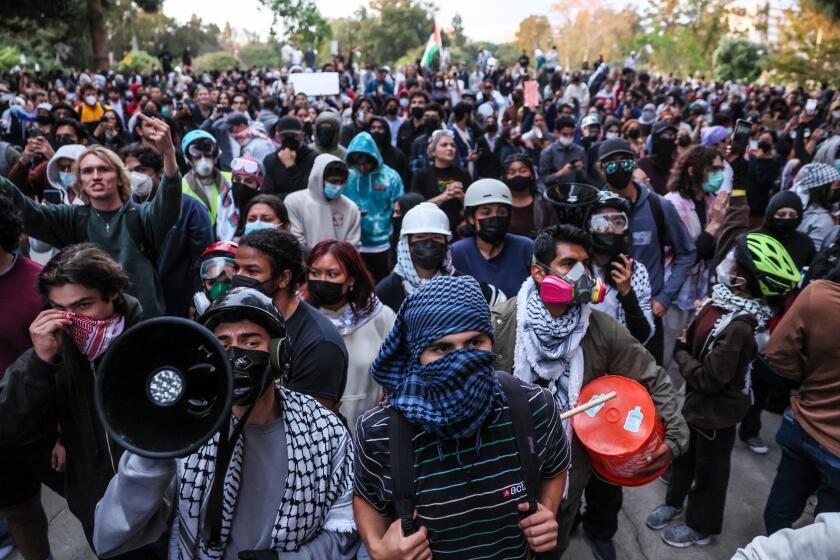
x: 478, y: 481
x: 271, y: 261
x: 215, y: 273
x: 627, y: 300
x: 327, y: 126
x: 322, y: 212
x: 52, y: 383
x: 657, y: 164
x: 655, y: 225
x: 287, y: 169
x: 340, y: 287
x: 423, y: 252
x: 247, y: 176
x: 132, y: 233
x: 288, y: 477
x: 714, y: 357
x: 374, y: 188
x: 550, y: 334
x: 184, y: 242
x: 530, y: 212
x: 489, y: 253
x: 392, y: 156
x: 204, y: 181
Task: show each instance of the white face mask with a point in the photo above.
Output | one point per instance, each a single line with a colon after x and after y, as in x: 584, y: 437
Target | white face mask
x: 90, y: 100
x: 141, y: 184
x: 203, y: 167
x: 565, y: 140
x: 611, y: 135
x: 726, y: 272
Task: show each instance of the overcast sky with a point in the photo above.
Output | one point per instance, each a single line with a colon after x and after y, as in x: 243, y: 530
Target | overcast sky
x: 488, y: 20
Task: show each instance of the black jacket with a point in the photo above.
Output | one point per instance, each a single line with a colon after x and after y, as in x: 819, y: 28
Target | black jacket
x: 281, y: 180
x: 64, y: 390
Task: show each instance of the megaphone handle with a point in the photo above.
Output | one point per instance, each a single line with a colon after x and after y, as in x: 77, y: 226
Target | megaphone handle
x: 587, y: 405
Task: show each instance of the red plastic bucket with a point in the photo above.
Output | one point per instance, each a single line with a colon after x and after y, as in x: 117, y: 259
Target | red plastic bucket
x: 621, y: 433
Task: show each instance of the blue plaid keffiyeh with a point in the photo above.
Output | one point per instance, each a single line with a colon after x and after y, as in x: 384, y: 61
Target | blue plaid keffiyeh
x: 450, y: 396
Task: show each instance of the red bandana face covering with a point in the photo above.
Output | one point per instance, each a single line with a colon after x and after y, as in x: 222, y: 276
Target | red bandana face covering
x: 92, y: 337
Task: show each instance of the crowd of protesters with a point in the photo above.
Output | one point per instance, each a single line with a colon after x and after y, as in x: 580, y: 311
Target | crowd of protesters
x: 407, y: 238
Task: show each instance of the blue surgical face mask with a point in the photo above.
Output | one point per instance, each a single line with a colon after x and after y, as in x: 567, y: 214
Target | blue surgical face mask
x: 254, y: 226
x: 713, y: 182
x: 66, y: 178
x: 332, y: 191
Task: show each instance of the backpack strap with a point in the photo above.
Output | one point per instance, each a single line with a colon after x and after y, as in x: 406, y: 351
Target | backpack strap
x: 659, y: 220
x: 402, y: 469
x: 523, y: 429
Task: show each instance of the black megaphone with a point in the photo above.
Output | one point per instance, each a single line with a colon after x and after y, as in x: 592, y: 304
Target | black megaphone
x: 164, y: 387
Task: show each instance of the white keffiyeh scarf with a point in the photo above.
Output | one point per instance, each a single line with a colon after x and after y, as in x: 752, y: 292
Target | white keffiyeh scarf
x: 318, y: 489
x: 405, y: 266
x: 351, y: 319
x: 724, y: 298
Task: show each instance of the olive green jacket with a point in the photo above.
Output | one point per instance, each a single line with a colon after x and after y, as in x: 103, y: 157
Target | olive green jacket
x: 608, y: 348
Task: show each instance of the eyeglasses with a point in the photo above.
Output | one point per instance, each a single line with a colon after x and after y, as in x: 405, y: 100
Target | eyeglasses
x: 216, y: 266
x: 612, y: 222
x: 247, y: 166
x: 626, y: 165
x: 203, y: 147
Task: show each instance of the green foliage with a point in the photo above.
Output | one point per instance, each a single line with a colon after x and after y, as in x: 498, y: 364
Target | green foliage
x: 259, y: 55
x: 9, y: 57
x: 809, y: 48
x: 137, y: 61
x: 219, y: 60
x: 737, y: 59
x: 301, y: 20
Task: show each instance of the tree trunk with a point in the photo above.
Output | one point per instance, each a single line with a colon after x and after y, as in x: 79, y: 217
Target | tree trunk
x: 96, y: 20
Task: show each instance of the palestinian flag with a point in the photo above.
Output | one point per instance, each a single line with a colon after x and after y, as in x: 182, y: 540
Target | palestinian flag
x: 433, y: 47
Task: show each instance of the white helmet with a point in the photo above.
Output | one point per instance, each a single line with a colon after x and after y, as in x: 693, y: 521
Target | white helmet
x: 590, y: 120
x: 487, y: 191
x: 426, y: 217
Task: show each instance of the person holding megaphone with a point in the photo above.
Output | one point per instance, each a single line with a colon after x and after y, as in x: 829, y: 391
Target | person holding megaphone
x: 288, y: 463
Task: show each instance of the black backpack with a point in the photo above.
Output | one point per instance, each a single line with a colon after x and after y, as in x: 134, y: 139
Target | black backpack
x: 826, y: 264
x: 402, y: 453
x: 133, y: 222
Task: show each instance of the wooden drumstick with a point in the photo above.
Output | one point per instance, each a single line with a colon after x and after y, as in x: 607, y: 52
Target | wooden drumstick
x: 588, y: 405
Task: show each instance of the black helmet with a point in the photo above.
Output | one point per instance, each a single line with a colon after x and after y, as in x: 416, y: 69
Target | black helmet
x: 245, y: 303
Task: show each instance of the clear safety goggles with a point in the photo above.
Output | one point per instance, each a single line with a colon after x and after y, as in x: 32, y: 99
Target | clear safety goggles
x: 213, y: 268
x: 247, y: 166
x: 203, y: 147
x: 612, y: 222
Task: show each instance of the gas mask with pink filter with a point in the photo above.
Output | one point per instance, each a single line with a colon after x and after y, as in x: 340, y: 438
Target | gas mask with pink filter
x: 573, y: 288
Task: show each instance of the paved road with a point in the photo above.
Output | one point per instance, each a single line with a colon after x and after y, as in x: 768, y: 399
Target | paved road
x: 752, y: 476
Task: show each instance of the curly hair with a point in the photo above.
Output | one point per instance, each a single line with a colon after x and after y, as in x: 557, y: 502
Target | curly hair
x: 283, y: 251
x: 690, y: 185
x: 84, y: 264
x: 11, y: 224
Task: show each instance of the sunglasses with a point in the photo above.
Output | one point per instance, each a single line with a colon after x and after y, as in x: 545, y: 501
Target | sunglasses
x: 626, y: 165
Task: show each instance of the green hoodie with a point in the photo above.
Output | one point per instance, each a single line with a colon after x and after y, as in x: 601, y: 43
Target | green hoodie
x: 374, y: 193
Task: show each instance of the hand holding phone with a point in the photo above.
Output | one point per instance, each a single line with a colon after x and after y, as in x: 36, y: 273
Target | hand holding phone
x: 741, y: 137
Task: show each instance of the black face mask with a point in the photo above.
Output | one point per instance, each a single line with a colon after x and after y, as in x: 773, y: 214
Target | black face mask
x: 380, y: 138
x: 684, y: 140
x: 427, y: 254
x: 251, y: 374
x: 326, y: 135
x: 291, y: 143
x: 307, y: 129
x: 43, y: 120
x: 519, y: 183
x: 417, y: 112
x: 610, y: 243
x: 663, y: 150
x: 764, y: 145
x: 492, y: 128
x: 619, y: 178
x: 782, y: 226
x: 239, y: 281
x: 431, y: 124
x: 242, y: 194
x: 391, y: 111
x: 633, y: 133
x: 64, y: 140
x: 493, y: 230
x: 325, y: 293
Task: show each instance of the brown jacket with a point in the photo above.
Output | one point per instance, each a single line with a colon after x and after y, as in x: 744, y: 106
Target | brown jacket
x: 804, y: 348
x: 607, y: 348
x: 715, y: 394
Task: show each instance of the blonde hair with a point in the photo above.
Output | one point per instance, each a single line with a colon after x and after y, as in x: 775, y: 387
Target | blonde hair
x: 114, y: 161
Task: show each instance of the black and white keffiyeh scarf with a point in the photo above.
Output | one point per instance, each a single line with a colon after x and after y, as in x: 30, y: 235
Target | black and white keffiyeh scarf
x: 723, y: 297
x: 318, y: 490
x: 549, y: 348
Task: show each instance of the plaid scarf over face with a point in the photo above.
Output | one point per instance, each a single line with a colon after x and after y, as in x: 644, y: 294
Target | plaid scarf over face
x: 450, y: 396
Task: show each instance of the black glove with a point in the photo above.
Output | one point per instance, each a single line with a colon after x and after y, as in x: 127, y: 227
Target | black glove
x: 257, y: 555
x: 681, y: 344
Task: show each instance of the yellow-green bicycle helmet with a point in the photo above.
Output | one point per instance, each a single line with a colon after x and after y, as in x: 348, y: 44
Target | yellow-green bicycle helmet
x: 769, y: 262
